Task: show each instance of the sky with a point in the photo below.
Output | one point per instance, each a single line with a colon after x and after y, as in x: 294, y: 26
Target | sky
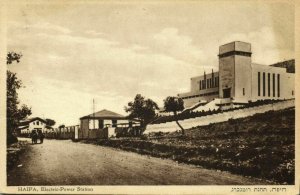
x: 76, y: 52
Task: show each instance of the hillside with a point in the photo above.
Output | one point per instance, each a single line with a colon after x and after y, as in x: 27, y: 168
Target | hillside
x: 289, y: 65
x: 261, y: 146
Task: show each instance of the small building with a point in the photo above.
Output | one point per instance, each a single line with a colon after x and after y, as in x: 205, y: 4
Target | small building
x: 104, y: 124
x: 27, y: 126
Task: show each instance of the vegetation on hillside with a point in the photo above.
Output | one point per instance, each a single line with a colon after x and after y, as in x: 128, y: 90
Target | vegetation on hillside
x: 193, y: 114
x: 261, y: 146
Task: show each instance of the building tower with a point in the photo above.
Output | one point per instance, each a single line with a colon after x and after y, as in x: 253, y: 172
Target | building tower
x: 235, y: 71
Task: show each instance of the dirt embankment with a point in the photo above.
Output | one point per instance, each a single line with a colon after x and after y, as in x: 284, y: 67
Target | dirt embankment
x: 261, y: 146
x: 13, y: 153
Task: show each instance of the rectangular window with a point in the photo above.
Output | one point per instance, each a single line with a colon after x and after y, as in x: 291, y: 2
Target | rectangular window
x: 207, y: 83
x: 93, y: 124
x: 292, y: 92
x: 269, y: 85
x: 200, y: 85
x: 243, y: 91
x: 101, y: 124
x: 273, y: 85
x: 210, y: 81
x: 38, y: 123
x: 264, y: 84
x: 216, y: 83
x: 203, y: 84
x: 278, y: 85
x: 114, y: 123
x: 213, y: 82
x: 258, y: 84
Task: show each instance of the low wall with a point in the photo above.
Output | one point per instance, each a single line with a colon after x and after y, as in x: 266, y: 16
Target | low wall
x: 220, y: 117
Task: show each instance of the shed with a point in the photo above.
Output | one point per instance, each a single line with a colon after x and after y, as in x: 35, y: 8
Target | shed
x: 103, y: 124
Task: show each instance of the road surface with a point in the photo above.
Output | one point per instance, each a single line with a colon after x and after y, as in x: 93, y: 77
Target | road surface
x: 57, y: 162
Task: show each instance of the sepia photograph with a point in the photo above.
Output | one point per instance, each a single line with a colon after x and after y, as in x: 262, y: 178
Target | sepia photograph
x: 121, y: 94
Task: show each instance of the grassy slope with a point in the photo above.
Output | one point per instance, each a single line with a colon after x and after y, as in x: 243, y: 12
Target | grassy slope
x: 261, y: 146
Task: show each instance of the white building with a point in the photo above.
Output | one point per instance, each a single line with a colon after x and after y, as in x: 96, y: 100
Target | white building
x: 26, y: 126
x: 239, y: 80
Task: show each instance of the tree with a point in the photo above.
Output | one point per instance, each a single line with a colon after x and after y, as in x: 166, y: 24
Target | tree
x: 50, y: 122
x: 13, y: 56
x: 14, y: 112
x: 62, y: 126
x: 174, y: 104
x: 142, y: 109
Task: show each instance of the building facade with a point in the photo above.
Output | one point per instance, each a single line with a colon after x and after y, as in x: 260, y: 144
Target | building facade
x: 103, y: 124
x: 241, y: 80
x: 204, y: 88
x: 27, y: 126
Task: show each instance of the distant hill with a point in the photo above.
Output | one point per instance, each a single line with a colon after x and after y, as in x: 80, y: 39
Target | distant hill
x: 289, y: 65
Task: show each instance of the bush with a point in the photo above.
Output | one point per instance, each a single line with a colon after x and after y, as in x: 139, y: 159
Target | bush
x: 144, y: 137
x: 11, y: 139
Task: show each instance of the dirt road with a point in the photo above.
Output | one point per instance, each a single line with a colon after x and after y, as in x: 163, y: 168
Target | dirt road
x: 59, y: 162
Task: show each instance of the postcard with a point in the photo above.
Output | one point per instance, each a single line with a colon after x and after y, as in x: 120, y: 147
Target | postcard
x: 149, y: 97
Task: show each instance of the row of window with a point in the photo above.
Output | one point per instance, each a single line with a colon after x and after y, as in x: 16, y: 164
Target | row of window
x: 266, y: 78
x: 100, y: 124
x: 209, y: 83
x: 201, y: 95
x: 37, y: 123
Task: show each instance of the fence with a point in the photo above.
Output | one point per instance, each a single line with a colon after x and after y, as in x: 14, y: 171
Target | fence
x: 219, y: 117
x: 62, y: 133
